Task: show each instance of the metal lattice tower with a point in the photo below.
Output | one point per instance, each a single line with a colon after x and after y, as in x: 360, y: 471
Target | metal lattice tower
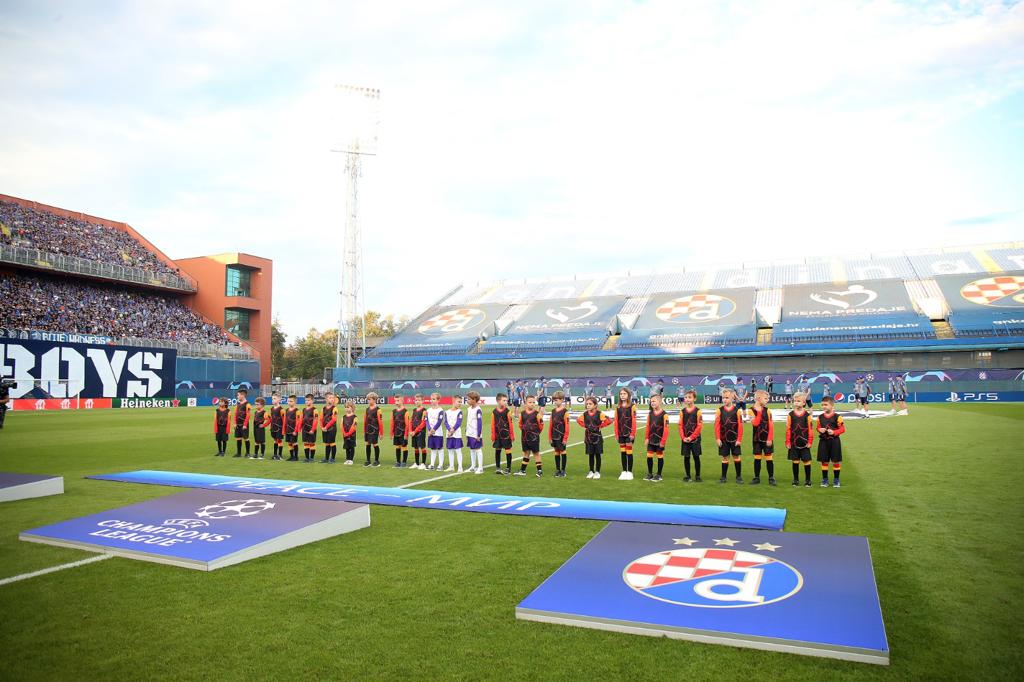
x: 359, y: 115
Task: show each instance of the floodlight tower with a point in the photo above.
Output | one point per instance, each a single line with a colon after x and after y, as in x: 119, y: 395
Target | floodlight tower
x: 359, y: 114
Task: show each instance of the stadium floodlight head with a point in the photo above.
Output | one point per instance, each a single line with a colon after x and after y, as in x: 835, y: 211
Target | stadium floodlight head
x: 358, y: 114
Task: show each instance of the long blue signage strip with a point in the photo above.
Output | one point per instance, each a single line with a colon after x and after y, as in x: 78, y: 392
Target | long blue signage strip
x: 765, y: 518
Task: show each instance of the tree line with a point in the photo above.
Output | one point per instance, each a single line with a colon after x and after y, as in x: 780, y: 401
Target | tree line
x: 305, y: 357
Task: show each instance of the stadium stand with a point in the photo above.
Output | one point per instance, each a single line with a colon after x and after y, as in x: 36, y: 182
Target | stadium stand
x: 29, y: 302
x: 26, y: 227
x: 911, y: 298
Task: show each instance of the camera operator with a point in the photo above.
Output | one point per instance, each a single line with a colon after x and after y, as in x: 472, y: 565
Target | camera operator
x: 5, y: 397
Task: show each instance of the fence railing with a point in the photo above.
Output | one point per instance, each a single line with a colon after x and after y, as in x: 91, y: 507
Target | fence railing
x: 190, y: 350
x: 83, y: 266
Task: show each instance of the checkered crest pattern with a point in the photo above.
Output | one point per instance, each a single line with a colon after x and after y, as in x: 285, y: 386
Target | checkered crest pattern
x: 451, y: 321
x: 684, y: 305
x: 988, y: 291
x: 679, y: 565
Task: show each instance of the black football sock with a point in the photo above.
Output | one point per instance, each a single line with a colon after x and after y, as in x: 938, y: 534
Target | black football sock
x: 686, y: 464
x: 770, y: 465
x: 376, y: 453
x: 622, y: 456
x: 526, y: 463
x: 590, y: 461
x: 564, y: 456
x: 597, y: 459
x: 824, y: 472
x: 508, y: 461
x: 661, y: 464
x: 738, y: 466
x: 796, y: 471
x: 398, y: 455
x: 405, y: 455
x: 247, y: 447
x: 650, y: 465
x: 238, y: 447
x: 367, y: 453
x: 725, y: 468
x: 497, y: 459
x: 835, y: 474
x: 696, y: 465
x: 757, y: 467
x: 807, y: 472
x: 629, y: 461
x: 539, y: 465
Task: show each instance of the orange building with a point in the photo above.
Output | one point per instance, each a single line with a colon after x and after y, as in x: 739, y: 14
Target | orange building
x: 234, y: 289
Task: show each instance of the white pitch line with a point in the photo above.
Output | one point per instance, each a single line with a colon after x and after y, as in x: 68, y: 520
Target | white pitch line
x: 486, y: 466
x: 53, y: 569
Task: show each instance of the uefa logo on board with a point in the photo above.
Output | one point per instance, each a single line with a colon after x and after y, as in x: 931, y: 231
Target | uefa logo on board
x: 1005, y: 291
x: 451, y: 321
x: 721, y: 577
x: 695, y: 308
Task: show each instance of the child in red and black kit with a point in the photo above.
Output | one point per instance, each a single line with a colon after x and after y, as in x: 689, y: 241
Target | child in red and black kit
x: 763, y: 437
x: 309, y: 422
x: 729, y: 435
x: 625, y: 432
x: 329, y: 427
x: 558, y: 432
x: 243, y: 411
x: 657, y: 436
x: 260, y: 422
x: 690, y: 425
x: 830, y: 448
x: 221, y: 420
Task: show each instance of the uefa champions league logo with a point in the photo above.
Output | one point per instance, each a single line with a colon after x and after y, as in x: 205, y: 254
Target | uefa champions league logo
x: 713, y: 577
x: 230, y: 509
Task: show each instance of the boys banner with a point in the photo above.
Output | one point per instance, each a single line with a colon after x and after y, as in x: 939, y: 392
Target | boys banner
x: 86, y: 370
x: 804, y: 594
x: 204, y: 529
x: 607, y: 510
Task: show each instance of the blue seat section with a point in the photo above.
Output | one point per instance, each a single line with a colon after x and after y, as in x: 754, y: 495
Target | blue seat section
x: 564, y: 342
x: 989, y: 323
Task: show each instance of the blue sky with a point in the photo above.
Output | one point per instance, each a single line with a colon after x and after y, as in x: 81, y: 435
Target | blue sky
x: 520, y: 139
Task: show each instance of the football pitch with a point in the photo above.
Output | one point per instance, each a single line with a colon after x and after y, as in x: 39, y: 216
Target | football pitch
x: 426, y: 594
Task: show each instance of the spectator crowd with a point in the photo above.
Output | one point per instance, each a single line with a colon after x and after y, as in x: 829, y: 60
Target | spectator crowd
x: 27, y: 227
x: 67, y: 305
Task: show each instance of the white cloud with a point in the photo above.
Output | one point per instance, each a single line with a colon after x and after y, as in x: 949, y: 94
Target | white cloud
x: 520, y: 140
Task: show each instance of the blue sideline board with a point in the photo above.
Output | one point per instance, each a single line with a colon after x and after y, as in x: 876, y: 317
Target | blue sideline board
x: 601, y: 510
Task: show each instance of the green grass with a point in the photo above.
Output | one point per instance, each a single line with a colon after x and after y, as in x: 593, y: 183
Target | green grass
x: 431, y: 594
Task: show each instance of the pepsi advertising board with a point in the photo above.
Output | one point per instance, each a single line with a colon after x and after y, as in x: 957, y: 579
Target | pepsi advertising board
x: 805, y: 594
x: 86, y: 370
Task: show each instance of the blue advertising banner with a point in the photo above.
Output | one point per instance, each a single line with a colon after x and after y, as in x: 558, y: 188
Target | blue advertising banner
x: 606, y: 510
x: 805, y: 594
x: 569, y: 315
x: 23, y: 486
x: 86, y: 370
x: 205, y: 529
x: 445, y: 329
